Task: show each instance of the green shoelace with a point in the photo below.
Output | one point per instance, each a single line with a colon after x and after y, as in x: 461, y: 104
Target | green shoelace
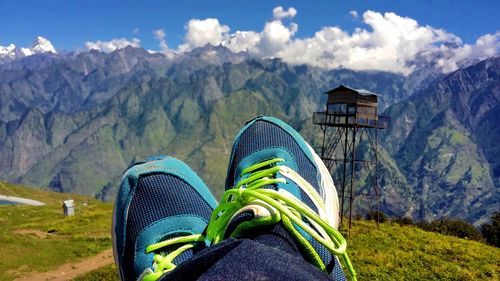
x: 164, y: 263
x: 289, y: 210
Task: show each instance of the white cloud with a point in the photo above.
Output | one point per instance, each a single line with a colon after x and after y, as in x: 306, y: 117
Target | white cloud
x: 112, y: 45
x: 267, y: 43
x: 244, y: 41
x: 202, y: 32
x: 486, y: 46
x: 391, y: 45
x: 275, y: 37
x: 160, y: 36
x: 279, y: 13
x: 389, y: 42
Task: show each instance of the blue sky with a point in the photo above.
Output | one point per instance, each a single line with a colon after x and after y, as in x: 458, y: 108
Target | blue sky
x: 69, y: 24
x: 360, y: 35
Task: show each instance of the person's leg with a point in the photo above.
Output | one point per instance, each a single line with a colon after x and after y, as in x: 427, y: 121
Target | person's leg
x: 246, y: 260
x: 160, y: 212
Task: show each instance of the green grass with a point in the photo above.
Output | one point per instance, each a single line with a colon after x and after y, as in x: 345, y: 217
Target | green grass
x: 384, y: 252
x: 107, y: 273
x: 393, y: 252
x: 27, y: 245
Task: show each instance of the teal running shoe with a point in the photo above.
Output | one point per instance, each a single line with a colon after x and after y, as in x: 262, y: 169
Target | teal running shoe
x: 274, y: 176
x: 160, y: 213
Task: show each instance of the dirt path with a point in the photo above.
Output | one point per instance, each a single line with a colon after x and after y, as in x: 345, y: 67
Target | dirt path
x: 71, y: 270
x: 37, y: 233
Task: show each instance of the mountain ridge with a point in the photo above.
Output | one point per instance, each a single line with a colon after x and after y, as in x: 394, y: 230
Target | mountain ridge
x: 97, y: 113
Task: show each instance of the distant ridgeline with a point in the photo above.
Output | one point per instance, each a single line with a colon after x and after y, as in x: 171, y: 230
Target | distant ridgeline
x: 74, y: 122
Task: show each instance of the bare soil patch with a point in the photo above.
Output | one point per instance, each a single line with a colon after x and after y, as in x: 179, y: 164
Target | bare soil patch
x: 34, y: 232
x: 71, y: 270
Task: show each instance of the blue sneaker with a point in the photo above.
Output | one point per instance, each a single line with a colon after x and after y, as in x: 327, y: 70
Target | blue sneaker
x: 160, y: 213
x: 275, y: 176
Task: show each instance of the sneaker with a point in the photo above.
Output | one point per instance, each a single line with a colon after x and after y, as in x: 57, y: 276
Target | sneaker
x: 275, y: 176
x: 160, y: 213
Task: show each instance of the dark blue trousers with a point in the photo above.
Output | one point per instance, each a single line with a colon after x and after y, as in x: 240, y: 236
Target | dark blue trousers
x: 269, y: 254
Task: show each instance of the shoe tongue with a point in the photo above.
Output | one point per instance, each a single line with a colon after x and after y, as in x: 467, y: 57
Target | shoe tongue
x: 237, y: 220
x: 269, y: 187
x: 249, y: 213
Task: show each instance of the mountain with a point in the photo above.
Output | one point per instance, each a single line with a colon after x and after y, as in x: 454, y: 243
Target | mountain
x: 39, y: 46
x: 444, y: 140
x: 73, y: 122
x: 78, y: 142
x: 68, y: 82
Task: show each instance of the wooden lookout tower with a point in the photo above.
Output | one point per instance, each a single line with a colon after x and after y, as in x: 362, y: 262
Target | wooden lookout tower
x: 350, y: 127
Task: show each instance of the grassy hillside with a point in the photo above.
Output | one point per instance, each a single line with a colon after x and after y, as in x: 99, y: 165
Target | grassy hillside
x: 40, y: 238
x: 384, y: 252
x: 393, y: 252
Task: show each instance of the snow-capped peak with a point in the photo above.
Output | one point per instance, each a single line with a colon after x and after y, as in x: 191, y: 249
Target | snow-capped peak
x: 39, y: 46
x: 42, y: 45
x: 7, y: 49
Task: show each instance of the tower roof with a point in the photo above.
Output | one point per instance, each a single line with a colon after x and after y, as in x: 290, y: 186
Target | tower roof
x: 343, y: 94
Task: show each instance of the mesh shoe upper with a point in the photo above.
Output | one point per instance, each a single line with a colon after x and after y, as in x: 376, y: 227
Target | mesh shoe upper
x: 158, y: 199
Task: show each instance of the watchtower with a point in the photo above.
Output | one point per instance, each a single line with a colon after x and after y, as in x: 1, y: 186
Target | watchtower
x: 350, y: 127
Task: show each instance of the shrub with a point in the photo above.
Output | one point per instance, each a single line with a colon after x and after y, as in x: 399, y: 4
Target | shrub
x: 491, y: 231
x: 404, y: 221
x: 454, y: 227
x: 377, y: 216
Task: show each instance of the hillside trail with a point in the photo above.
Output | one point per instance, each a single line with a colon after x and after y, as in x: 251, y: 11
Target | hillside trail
x: 71, y: 270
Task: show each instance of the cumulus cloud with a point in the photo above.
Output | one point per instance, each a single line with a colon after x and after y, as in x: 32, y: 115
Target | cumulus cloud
x: 269, y: 42
x: 160, y: 35
x: 112, y: 45
x: 279, y: 13
x: 202, y: 32
x: 486, y: 46
x: 275, y: 37
x: 244, y: 41
x: 390, y: 46
x: 389, y: 42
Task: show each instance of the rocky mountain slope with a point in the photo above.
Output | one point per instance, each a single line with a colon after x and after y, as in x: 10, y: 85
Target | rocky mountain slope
x: 444, y: 140
x: 74, y: 122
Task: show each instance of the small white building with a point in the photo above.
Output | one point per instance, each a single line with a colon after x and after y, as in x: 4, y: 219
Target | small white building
x: 69, y: 208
